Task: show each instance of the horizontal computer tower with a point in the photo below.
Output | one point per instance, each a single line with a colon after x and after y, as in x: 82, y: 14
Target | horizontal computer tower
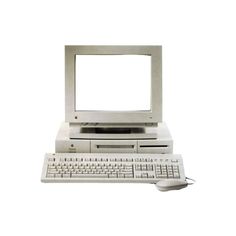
x: 161, y: 144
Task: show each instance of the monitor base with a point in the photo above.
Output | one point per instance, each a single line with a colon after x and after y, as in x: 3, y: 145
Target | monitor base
x: 80, y: 132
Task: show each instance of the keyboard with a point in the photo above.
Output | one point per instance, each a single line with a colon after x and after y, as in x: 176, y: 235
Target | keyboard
x: 111, y: 167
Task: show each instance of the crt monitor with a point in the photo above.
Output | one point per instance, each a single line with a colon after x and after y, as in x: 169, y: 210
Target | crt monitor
x: 113, y: 84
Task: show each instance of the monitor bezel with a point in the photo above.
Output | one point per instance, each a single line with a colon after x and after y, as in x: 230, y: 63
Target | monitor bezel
x: 152, y: 116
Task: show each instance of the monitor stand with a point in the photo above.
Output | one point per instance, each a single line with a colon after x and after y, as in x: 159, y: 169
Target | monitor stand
x: 112, y: 132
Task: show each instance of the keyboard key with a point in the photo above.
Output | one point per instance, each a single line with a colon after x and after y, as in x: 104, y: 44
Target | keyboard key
x: 129, y: 176
x: 121, y: 175
x: 58, y: 175
x: 89, y: 176
x: 66, y: 175
x: 174, y: 161
x: 112, y: 175
x: 50, y: 175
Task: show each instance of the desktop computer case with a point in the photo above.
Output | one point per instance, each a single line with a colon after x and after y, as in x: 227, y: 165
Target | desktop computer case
x: 161, y: 145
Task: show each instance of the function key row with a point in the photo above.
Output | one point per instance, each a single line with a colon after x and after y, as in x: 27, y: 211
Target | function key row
x: 87, y: 159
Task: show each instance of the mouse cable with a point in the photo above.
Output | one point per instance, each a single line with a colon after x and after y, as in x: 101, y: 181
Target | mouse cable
x: 190, y: 183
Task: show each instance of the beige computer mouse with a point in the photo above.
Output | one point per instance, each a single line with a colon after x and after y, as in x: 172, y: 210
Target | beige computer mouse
x: 171, y: 184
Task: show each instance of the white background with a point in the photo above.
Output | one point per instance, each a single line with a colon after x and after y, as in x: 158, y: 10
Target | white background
x: 199, y: 74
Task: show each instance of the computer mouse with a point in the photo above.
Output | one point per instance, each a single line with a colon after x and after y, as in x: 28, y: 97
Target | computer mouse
x: 171, y: 184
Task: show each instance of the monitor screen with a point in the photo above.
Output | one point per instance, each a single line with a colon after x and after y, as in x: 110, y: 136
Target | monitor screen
x: 113, y: 83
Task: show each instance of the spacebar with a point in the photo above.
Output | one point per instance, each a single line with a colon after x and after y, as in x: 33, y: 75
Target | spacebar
x: 88, y: 176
